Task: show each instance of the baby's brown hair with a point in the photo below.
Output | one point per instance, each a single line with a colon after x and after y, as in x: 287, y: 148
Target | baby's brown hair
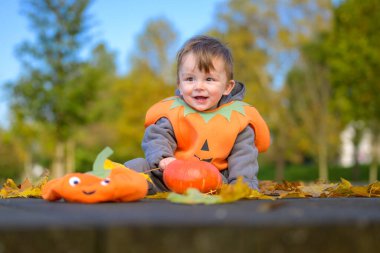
x: 205, y: 49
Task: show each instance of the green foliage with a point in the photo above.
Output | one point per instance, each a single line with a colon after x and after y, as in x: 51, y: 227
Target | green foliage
x: 355, y: 59
x: 154, y: 49
x: 133, y: 96
x: 51, y: 90
x: 11, y: 157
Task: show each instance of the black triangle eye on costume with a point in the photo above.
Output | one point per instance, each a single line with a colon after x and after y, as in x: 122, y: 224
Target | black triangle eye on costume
x: 205, y: 146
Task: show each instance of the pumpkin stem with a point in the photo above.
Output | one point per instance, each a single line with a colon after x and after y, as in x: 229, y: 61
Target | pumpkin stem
x: 98, y: 166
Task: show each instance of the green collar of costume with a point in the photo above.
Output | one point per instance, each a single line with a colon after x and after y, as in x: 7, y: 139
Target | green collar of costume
x: 224, y: 110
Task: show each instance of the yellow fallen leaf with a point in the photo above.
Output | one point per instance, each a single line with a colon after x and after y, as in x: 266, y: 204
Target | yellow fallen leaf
x: 374, y: 189
x: 234, y: 192
x: 258, y: 195
x: 342, y: 189
x: 240, y: 190
x: 360, y: 191
x: 292, y: 195
x: 159, y: 195
x: 25, y: 190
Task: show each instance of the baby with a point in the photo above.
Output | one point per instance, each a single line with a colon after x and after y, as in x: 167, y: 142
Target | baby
x: 206, y: 119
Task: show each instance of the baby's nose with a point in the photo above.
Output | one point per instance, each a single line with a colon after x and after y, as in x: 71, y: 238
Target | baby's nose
x: 199, y: 85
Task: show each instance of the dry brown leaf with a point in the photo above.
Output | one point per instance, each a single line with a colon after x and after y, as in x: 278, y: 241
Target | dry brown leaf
x: 289, y: 186
x: 258, y: 195
x: 292, y: 195
x: 374, y: 189
x: 315, y: 190
x: 342, y: 189
x: 267, y: 186
x: 25, y: 190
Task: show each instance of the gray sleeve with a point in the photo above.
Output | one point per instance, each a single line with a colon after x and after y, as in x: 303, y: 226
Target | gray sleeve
x: 243, y: 159
x: 159, y: 142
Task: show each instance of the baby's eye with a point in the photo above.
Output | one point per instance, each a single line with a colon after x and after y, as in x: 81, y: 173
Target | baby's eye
x: 209, y: 79
x: 73, y: 181
x: 105, y: 182
x: 189, y: 79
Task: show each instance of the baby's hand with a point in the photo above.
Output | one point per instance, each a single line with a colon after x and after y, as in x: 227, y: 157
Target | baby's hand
x: 165, y: 162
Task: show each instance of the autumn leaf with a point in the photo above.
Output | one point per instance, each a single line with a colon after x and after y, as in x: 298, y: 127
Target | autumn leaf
x: 193, y: 196
x: 360, y: 191
x: 289, y: 186
x: 268, y: 187
x: 159, y: 195
x: 374, y: 189
x: 258, y: 195
x: 228, y: 193
x: 315, y: 190
x: 292, y: 195
x: 342, y: 189
x: 240, y: 190
x: 234, y: 192
x: 25, y: 190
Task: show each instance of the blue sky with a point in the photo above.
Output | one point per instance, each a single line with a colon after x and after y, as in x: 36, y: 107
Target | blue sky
x: 117, y: 23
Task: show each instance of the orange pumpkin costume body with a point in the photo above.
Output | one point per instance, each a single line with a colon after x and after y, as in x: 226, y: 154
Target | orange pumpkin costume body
x: 209, y: 135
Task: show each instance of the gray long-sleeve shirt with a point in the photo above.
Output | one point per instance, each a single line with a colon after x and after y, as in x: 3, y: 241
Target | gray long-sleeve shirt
x: 159, y: 142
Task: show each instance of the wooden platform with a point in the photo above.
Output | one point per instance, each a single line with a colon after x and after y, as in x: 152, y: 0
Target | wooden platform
x: 289, y: 225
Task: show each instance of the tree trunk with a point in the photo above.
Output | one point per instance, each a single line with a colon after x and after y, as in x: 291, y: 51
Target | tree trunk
x: 375, y: 159
x: 28, y: 166
x: 58, y: 169
x: 322, y: 162
x: 70, y: 156
x: 356, y: 141
x: 322, y: 143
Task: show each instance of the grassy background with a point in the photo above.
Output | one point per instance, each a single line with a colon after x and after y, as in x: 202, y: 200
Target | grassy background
x: 309, y: 173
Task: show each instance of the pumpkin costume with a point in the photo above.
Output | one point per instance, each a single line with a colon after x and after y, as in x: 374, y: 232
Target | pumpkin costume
x: 230, y: 136
x: 209, y: 135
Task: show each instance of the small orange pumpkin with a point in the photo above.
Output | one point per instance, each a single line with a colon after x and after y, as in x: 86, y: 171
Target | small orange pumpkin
x: 122, y: 185
x: 180, y: 175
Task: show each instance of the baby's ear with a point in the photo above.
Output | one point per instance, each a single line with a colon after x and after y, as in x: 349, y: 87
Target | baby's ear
x: 229, y: 87
x: 51, y: 188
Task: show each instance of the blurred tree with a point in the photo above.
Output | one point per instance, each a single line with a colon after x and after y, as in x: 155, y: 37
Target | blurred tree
x: 264, y: 37
x: 11, y: 156
x: 355, y: 63
x: 309, y: 97
x: 147, y: 83
x: 53, y: 90
x: 99, y: 75
x: 155, y: 48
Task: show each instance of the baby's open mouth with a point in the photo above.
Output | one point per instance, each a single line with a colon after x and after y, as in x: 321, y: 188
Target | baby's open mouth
x: 200, y: 98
